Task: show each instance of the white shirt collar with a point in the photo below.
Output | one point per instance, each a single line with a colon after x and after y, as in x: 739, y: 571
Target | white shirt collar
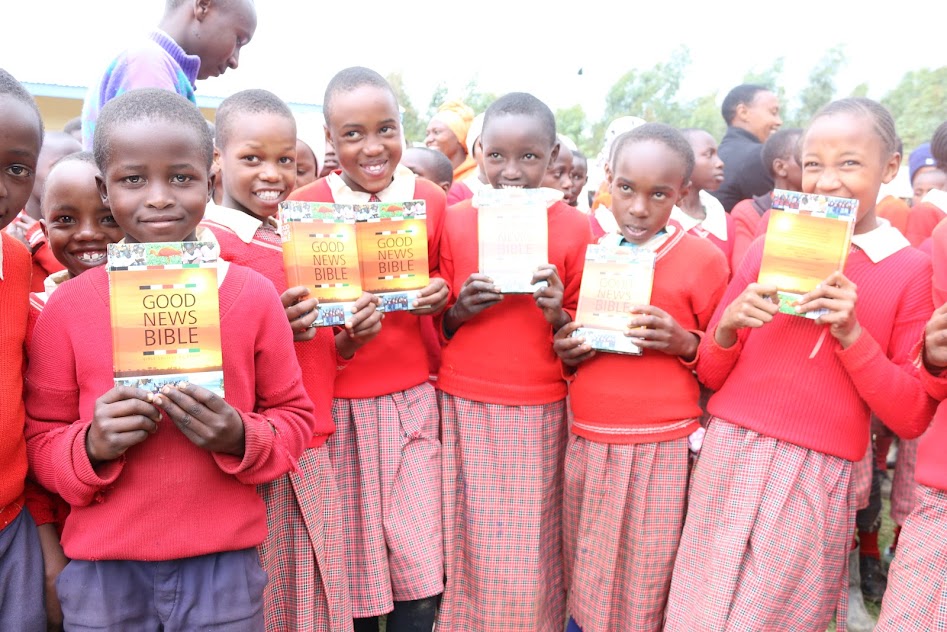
x: 54, y: 280
x: 881, y: 242
x: 400, y: 189
x: 242, y: 224
x: 714, y: 223
x: 936, y: 197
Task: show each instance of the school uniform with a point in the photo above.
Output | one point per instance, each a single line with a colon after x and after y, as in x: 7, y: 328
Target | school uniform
x: 504, y: 428
x: 717, y: 226
x: 304, y: 551
x: 627, y: 462
x: 44, y: 261
x: 746, y: 217
x: 167, y: 533
x: 924, y: 217
x: 916, y: 598
x: 386, y: 451
x: 21, y: 560
x: 770, y: 517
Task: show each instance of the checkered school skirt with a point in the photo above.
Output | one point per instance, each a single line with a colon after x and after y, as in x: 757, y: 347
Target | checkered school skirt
x: 387, y: 458
x: 502, y: 516
x: 304, y: 552
x: 623, y: 513
x: 766, y: 541
x: 904, y: 485
x: 861, y: 478
x: 916, y: 598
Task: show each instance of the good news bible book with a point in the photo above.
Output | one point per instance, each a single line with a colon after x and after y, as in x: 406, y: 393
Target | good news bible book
x: 513, y: 233
x: 614, y: 280
x: 165, y: 315
x: 807, y: 239
x: 341, y: 250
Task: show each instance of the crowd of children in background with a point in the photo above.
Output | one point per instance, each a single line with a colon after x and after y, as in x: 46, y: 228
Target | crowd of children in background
x: 473, y: 463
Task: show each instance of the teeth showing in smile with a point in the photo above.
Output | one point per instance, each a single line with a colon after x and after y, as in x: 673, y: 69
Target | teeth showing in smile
x: 375, y: 170
x: 92, y: 256
x: 511, y: 186
x: 268, y: 196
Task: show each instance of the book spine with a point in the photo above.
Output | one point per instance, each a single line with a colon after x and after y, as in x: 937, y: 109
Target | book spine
x: 290, y: 264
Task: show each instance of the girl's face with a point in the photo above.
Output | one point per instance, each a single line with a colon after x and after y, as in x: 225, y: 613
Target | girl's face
x: 843, y: 156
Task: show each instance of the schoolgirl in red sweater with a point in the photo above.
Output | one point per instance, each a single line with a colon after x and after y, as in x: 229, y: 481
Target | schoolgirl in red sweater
x: 770, y: 521
x: 627, y: 461
x: 386, y: 450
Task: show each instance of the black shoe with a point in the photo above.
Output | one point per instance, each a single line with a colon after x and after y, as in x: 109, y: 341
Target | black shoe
x: 874, y: 579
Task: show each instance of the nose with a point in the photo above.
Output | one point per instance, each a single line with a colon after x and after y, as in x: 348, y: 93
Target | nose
x: 269, y: 172
x: 234, y: 59
x: 637, y: 207
x: 429, y: 140
x: 828, y: 181
x: 159, y: 195
x: 510, y: 170
x: 374, y: 147
x: 89, y: 230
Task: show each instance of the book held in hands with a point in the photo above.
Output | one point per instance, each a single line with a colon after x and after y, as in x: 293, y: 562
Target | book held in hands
x: 807, y: 239
x: 513, y: 228
x: 165, y: 315
x: 320, y: 251
x: 614, y: 280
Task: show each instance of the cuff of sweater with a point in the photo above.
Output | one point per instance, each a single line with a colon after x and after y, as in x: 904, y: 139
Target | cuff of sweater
x: 92, y: 478
x: 257, y: 439
x: 861, y: 354
x: 934, y: 383
x: 692, y: 364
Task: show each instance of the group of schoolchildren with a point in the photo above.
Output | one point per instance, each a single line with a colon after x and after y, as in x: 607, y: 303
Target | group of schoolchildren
x: 541, y: 483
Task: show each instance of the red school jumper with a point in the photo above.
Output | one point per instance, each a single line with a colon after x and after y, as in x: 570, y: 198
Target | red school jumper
x: 791, y: 413
x: 504, y: 430
x: 386, y: 450
x: 121, y: 510
x: 627, y: 461
x: 917, y: 592
x: 308, y: 580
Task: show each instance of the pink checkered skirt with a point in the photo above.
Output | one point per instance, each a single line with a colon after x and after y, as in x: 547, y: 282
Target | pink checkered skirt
x: 766, y: 541
x: 387, y: 458
x: 904, y: 485
x: 861, y: 478
x: 502, y: 516
x: 623, y: 513
x: 304, y: 552
x: 916, y: 598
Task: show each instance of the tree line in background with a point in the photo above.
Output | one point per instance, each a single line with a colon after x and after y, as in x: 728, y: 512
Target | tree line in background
x: 918, y: 103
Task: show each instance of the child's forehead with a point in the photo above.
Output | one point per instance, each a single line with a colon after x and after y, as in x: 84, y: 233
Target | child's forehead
x: 20, y: 127
x: 516, y: 128
x: 360, y: 103
x: 150, y: 140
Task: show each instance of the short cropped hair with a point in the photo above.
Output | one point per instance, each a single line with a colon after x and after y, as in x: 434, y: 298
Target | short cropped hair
x: 77, y: 156
x: 939, y: 145
x: 247, y: 102
x: 10, y: 87
x: 525, y: 104
x: 782, y: 144
x: 72, y: 125
x: 881, y: 119
x: 349, y: 79
x: 659, y: 133
x: 743, y: 93
x: 149, y: 104
x: 440, y: 164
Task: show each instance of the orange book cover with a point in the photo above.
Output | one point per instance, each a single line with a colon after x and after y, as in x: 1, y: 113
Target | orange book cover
x: 614, y: 280
x: 392, y: 251
x: 165, y: 315
x: 320, y: 251
x: 513, y: 233
x: 807, y: 239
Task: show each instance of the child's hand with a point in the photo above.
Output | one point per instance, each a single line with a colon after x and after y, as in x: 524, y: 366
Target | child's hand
x: 476, y: 294
x: 935, y: 341
x: 432, y: 299
x: 838, y: 295
x: 653, y: 328
x: 572, y: 351
x: 754, y: 308
x: 301, y: 312
x: 123, y: 417
x: 364, y: 325
x: 204, y: 418
x: 549, y: 296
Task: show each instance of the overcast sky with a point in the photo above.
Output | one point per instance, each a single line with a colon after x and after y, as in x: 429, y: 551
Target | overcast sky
x: 506, y: 44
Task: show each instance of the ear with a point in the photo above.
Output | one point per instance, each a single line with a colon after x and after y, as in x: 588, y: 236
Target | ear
x: 328, y: 134
x: 891, y: 168
x: 684, y: 190
x: 211, y: 184
x: 216, y: 157
x: 42, y: 225
x: 201, y: 9
x: 103, y: 190
x: 445, y: 185
x: 741, y: 112
x: 779, y: 167
x: 554, y: 154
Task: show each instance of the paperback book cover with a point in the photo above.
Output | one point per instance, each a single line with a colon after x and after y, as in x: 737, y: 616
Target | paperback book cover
x: 614, y: 280
x: 320, y: 251
x: 808, y: 238
x: 165, y: 315
x: 392, y: 250
x: 512, y: 227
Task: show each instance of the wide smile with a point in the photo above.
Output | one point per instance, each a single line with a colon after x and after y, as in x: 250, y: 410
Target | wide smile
x: 375, y: 169
x: 270, y: 196
x: 90, y: 258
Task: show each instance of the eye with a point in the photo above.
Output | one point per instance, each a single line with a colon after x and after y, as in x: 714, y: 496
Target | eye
x: 851, y: 163
x: 388, y: 129
x: 19, y: 171
x: 180, y: 178
x: 624, y: 188
x: 810, y: 164
x: 64, y: 219
x: 530, y: 156
x: 286, y: 160
x: 660, y: 195
x: 351, y: 135
x: 251, y: 159
x: 133, y: 180
x: 109, y: 220
x: 493, y: 155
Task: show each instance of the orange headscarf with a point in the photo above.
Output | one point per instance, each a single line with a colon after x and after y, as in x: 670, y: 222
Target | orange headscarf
x: 457, y: 116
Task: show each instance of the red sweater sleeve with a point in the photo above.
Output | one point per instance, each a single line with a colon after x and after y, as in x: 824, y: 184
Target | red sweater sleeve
x: 575, y: 264
x: 922, y: 220
x: 939, y: 260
